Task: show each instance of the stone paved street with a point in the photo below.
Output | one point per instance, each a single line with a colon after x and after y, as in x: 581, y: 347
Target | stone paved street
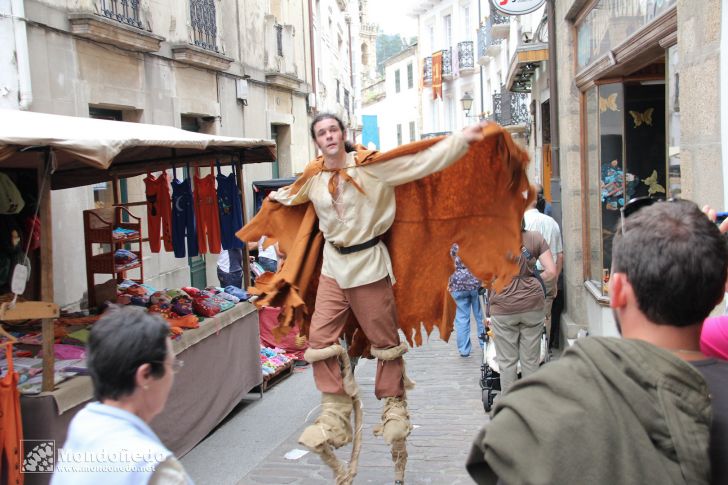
x: 446, y: 411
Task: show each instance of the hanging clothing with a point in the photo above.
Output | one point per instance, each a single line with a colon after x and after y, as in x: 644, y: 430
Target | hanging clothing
x: 231, y: 211
x: 159, y: 211
x: 183, y: 218
x: 207, y: 214
x: 11, y: 426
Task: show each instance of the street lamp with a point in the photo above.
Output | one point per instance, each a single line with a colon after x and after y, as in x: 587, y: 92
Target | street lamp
x: 467, y: 102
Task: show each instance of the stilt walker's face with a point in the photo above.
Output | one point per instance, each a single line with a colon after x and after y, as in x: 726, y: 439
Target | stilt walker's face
x: 329, y: 137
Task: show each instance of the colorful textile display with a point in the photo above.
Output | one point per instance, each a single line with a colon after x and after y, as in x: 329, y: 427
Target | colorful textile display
x: 273, y: 359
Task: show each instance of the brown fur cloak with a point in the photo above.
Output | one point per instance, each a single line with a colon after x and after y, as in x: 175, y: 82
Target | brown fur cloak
x: 477, y: 202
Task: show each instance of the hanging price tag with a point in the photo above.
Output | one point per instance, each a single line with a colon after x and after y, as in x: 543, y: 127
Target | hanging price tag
x: 20, y: 278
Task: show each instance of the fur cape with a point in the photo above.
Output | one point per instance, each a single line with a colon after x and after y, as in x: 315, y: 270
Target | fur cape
x: 477, y: 202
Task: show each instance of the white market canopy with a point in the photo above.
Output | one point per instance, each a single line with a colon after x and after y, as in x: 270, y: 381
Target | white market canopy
x: 88, y: 151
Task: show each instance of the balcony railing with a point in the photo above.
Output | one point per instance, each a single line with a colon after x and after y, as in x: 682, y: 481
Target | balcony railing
x: 498, y: 19
x: 427, y: 70
x: 447, y: 63
x: 510, y: 108
x: 465, y: 56
x: 500, y: 24
x: 124, y: 11
x: 204, y: 24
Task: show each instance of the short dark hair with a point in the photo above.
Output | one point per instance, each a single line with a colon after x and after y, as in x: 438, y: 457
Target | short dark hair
x: 122, y: 340
x: 348, y: 147
x: 676, y: 260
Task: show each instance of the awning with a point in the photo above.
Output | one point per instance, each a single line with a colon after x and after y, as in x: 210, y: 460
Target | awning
x: 523, y: 65
x: 88, y: 151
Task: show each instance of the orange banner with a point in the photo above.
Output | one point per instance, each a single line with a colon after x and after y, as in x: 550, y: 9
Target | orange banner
x: 437, y: 75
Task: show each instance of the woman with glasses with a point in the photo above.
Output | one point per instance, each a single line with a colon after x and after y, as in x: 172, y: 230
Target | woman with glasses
x: 132, y: 366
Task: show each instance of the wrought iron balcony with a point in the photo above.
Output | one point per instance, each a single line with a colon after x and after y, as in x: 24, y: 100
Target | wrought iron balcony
x: 427, y: 71
x: 511, y: 108
x: 447, y: 63
x: 501, y: 24
x: 466, y: 60
x: 204, y: 24
x: 483, y: 57
x: 124, y: 11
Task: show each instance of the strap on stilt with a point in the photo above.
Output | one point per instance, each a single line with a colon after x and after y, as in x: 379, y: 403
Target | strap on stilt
x: 344, y: 475
x: 393, y: 354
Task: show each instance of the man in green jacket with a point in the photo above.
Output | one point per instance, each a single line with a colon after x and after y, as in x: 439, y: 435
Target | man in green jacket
x: 637, y: 409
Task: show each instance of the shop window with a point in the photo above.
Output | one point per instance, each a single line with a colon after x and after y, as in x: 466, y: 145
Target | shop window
x: 611, y: 22
x: 673, y: 122
x: 626, y: 158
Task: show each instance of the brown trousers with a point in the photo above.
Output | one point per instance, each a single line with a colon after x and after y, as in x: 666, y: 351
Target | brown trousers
x: 373, y: 306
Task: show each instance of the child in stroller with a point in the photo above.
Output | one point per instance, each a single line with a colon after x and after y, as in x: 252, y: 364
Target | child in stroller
x: 489, y: 373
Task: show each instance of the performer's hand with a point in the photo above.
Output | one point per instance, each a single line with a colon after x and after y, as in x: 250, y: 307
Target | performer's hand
x: 474, y: 132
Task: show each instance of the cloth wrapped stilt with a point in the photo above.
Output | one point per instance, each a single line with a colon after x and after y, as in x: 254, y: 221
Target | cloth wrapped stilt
x: 395, y: 426
x: 332, y: 429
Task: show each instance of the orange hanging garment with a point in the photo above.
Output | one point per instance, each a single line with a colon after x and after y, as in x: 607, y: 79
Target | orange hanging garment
x: 207, y: 214
x: 11, y: 426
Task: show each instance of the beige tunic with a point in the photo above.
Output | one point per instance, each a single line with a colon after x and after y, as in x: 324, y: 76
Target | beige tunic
x: 355, y: 218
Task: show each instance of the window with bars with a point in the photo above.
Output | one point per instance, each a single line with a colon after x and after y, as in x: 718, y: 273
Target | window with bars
x: 346, y: 100
x: 397, y: 84
x: 203, y: 18
x: 338, y: 91
x: 412, y: 131
x: 124, y: 11
x: 399, y: 134
x: 410, y: 76
x: 279, y: 40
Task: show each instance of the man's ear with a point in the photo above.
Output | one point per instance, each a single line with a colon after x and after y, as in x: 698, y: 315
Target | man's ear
x: 619, y: 286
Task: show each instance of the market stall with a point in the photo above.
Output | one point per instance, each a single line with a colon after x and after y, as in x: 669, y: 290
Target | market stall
x: 222, y: 355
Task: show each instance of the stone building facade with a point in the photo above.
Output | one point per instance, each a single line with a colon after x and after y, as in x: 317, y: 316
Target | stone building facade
x: 640, y: 109
x: 240, y: 68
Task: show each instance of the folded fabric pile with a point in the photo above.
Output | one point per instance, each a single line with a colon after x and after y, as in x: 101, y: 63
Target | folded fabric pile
x: 241, y: 295
x: 273, y: 359
x: 121, y: 233
x: 124, y: 257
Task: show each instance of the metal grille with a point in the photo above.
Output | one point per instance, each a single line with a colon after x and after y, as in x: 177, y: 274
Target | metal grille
x: 427, y: 74
x: 482, y: 40
x: 498, y: 19
x: 279, y: 39
x: 511, y: 108
x: 465, y: 55
x: 447, y: 62
x: 124, y: 11
x: 204, y: 23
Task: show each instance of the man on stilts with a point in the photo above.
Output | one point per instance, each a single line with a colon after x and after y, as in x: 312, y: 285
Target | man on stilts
x: 351, y: 210
x: 355, y: 205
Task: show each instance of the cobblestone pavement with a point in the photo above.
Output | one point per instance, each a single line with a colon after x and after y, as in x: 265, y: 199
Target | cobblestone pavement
x: 445, y: 409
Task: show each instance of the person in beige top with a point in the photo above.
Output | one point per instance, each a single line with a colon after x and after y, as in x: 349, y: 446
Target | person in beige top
x: 356, y: 274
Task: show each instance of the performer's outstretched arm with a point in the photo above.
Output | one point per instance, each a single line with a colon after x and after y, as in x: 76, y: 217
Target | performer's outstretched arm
x: 405, y: 169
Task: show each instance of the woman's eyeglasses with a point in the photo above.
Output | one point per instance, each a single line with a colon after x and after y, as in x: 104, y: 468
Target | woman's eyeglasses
x: 176, y: 365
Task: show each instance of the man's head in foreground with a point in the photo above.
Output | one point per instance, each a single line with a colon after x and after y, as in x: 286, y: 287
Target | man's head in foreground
x: 669, y: 269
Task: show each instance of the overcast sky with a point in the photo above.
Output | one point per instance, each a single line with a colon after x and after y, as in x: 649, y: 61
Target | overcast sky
x: 392, y: 16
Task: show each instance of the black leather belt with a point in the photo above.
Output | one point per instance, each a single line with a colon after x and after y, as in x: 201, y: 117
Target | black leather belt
x: 356, y: 247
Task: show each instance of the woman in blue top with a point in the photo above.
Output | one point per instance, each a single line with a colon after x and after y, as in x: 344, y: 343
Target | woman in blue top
x: 463, y: 287
x: 132, y: 365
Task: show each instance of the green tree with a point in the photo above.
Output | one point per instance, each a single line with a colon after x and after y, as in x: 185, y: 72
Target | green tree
x: 389, y: 45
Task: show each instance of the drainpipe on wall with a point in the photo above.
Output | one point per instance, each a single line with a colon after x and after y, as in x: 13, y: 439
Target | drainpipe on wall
x: 25, y: 91
x: 477, y: 45
x: 352, y: 123
x: 554, y: 114
x: 313, y: 55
